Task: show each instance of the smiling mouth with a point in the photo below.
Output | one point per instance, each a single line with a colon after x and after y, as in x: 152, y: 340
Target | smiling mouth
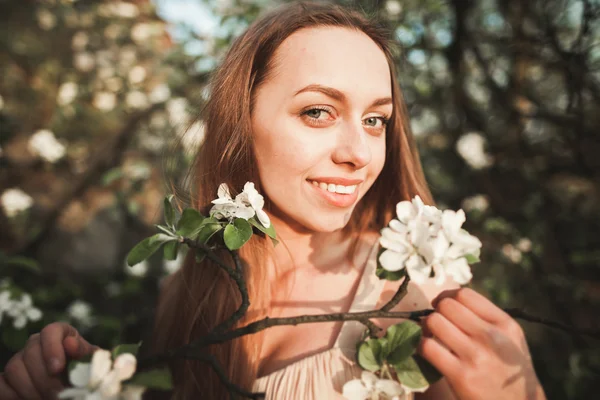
x: 336, y: 195
x: 333, y: 188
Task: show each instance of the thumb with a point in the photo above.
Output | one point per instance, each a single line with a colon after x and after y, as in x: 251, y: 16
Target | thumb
x: 77, y: 347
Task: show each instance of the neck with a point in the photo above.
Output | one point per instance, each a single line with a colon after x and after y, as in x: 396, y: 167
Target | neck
x: 311, y: 251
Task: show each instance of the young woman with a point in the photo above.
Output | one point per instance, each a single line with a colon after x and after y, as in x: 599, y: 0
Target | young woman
x: 305, y: 104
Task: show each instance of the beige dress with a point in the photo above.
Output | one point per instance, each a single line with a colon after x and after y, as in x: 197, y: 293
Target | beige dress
x: 322, y: 375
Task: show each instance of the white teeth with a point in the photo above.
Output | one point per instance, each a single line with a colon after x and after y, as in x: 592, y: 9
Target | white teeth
x: 333, y: 188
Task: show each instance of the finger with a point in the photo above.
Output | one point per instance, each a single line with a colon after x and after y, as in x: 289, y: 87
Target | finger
x: 450, y: 335
x: 77, y: 347
x: 478, y: 304
x: 439, y: 356
x: 6, y: 392
x: 462, y: 317
x: 51, y: 338
x: 46, y: 384
x: 18, y: 378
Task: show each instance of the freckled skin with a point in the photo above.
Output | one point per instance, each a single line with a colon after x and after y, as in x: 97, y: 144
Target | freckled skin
x: 290, y: 148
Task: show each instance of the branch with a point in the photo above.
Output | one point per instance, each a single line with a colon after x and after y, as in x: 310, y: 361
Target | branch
x: 400, y: 293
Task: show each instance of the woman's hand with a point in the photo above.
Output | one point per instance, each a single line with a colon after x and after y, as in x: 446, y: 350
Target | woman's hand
x: 34, y: 372
x: 479, y: 348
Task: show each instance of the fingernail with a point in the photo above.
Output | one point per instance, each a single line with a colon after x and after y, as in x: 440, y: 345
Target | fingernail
x: 55, y: 365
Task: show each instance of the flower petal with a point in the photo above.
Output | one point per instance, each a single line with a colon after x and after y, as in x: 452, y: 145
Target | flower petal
x: 80, y: 375
x: 389, y: 387
x: 223, y: 191
x: 405, y: 211
x: 125, y: 365
x: 101, y: 363
x: 459, y: 270
x: 369, y: 379
x: 355, y: 390
x: 392, y: 261
x: 452, y: 221
x: 73, y: 393
x: 398, y: 226
x: 393, y: 240
x: 417, y: 269
x: 263, y: 218
x: 111, y: 385
x: 34, y: 314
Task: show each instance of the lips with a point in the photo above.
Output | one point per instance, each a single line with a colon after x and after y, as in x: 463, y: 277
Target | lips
x: 337, y: 199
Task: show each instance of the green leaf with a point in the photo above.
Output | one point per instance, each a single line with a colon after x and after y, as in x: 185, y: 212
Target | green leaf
x: 171, y: 249
x: 237, y: 234
x: 416, y: 373
x: 132, y: 348
x: 147, y: 247
x: 208, y: 230
x: 402, y: 341
x: 190, y: 223
x: 473, y: 258
x: 20, y: 262
x: 369, y: 355
x: 270, y: 231
x: 153, y: 379
x: 111, y: 175
x: 383, y: 273
x: 169, y: 211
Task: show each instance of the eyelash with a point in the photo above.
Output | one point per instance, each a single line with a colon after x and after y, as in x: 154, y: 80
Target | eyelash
x: 384, y: 119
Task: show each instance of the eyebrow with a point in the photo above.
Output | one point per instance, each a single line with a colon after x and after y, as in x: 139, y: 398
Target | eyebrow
x: 338, y: 95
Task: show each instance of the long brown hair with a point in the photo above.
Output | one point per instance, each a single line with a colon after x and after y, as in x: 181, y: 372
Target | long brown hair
x: 200, y: 295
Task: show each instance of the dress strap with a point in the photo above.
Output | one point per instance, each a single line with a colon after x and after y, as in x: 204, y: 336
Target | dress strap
x: 366, y: 298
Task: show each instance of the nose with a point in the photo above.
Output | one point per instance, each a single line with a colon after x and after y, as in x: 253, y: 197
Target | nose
x: 352, y: 146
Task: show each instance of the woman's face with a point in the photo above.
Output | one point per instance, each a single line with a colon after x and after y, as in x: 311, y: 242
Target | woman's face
x: 319, y: 126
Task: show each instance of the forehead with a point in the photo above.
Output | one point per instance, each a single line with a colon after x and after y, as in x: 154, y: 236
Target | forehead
x: 342, y: 58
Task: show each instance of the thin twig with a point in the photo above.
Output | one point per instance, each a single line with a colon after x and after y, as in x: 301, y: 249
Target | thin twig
x: 398, y: 296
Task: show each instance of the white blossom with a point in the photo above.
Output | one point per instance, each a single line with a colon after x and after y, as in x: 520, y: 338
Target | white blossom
x: 177, y: 110
x: 141, y: 32
x: 512, y: 253
x: 15, y: 201
x: 370, y: 387
x: 84, y: 61
x: 137, y: 74
x: 424, y: 239
x: 525, y: 245
x: 246, y: 204
x: 393, y: 7
x: 44, y: 144
x: 138, y: 270
x: 67, y: 93
x: 79, y: 41
x: 160, y: 94
x: 22, y: 311
x: 46, y: 20
x: 193, y: 136
x: 101, y: 379
x: 104, y: 101
x: 477, y: 202
x: 118, y: 9
x: 81, y: 312
x: 172, y: 266
x: 136, y: 99
x: 471, y: 147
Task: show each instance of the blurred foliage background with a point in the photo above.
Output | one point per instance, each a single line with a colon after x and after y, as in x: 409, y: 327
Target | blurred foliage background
x: 504, y: 98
